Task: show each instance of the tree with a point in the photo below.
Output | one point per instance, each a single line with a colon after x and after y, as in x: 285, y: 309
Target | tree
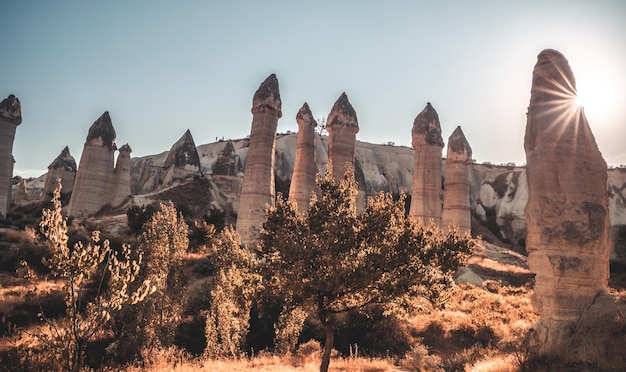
x: 79, y: 266
x: 237, y: 284
x: 163, y: 242
x: 332, y: 260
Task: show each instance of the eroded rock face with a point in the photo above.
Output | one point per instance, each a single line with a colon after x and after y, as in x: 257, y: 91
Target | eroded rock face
x: 342, y: 126
x: 456, y: 201
x: 427, y: 142
x: 228, y: 163
x: 257, y: 189
x: 305, y: 168
x: 63, y: 167
x: 95, y: 171
x: 567, y: 211
x: 10, y: 118
x: 182, y: 160
x: 121, y: 177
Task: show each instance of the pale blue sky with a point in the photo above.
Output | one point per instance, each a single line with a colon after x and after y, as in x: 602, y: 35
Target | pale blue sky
x: 162, y: 67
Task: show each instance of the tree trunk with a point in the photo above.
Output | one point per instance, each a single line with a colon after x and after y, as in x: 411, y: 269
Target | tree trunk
x: 329, y: 334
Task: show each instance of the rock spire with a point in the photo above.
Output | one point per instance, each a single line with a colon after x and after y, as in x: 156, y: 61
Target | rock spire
x: 342, y: 126
x: 567, y: 212
x: 10, y: 118
x: 63, y: 167
x: 121, y: 174
x: 184, y: 154
x: 428, y: 145
x: 305, y: 168
x: 257, y: 189
x: 96, y: 181
x: 456, y: 201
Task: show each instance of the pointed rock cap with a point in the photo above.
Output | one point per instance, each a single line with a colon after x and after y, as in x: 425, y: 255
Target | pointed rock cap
x: 103, y: 129
x: 553, y: 79
x: 342, y: 115
x: 458, y: 147
x: 65, y: 161
x: 183, y: 153
x: 305, y: 117
x: 267, y: 97
x: 125, y: 148
x: 11, y: 110
x: 228, y: 150
x: 426, y: 128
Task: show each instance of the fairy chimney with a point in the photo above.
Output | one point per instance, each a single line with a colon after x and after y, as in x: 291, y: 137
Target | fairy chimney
x: 63, y: 167
x: 121, y: 176
x: 456, y: 200
x: 10, y: 118
x: 305, y: 168
x: 257, y: 189
x: 95, y: 171
x: 567, y: 212
x: 21, y: 194
x: 228, y: 163
x: 428, y: 145
x: 342, y: 126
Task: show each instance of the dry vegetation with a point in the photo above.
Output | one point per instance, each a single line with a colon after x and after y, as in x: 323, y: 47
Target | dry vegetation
x: 479, y: 328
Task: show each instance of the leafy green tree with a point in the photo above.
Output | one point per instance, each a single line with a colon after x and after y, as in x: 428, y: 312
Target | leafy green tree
x: 237, y: 284
x: 332, y: 260
x: 80, y: 266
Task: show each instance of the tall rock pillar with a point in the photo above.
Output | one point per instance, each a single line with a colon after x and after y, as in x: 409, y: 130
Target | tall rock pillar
x: 567, y: 212
x: 305, y: 168
x: 342, y: 126
x: 95, y: 171
x: 428, y: 145
x: 456, y: 199
x: 10, y: 118
x: 257, y: 189
x: 121, y: 176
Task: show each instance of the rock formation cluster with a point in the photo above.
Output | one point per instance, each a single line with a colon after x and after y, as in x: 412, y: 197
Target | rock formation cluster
x: 567, y: 211
x: 426, y: 203
x: 257, y: 189
x: 456, y: 201
x: 10, y: 118
x: 63, y: 167
x: 96, y: 179
x: 305, y: 168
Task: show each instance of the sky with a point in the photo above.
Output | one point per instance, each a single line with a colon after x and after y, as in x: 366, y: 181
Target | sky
x: 162, y: 67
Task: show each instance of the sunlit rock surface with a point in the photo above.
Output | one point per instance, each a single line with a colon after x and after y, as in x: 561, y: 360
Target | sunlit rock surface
x: 305, y: 169
x: 567, y: 211
x: 456, y: 201
x: 426, y: 195
x: 258, y: 186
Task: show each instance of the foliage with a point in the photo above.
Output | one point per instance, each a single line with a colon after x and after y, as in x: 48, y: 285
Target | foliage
x: 138, y: 215
x: 237, y: 284
x: 66, y: 340
x: 163, y: 242
x: 332, y: 260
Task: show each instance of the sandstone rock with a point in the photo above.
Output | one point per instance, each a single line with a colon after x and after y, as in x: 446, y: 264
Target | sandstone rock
x: 257, y: 189
x: 228, y: 163
x: 95, y: 171
x: 121, y: 178
x: 183, y: 154
x: 63, y: 167
x: 456, y: 201
x: 10, y: 118
x: 305, y: 169
x: 342, y: 126
x: 182, y: 160
x: 567, y: 211
x: 426, y: 201
x: 21, y: 194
